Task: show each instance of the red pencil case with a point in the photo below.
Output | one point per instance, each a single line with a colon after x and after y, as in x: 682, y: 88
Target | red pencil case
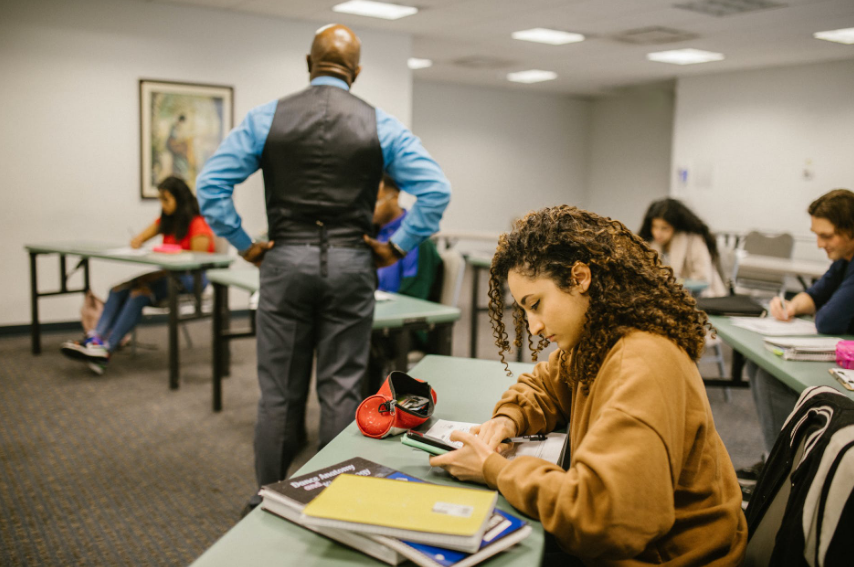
x: 402, y: 402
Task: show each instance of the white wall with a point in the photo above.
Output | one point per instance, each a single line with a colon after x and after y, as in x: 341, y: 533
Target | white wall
x: 745, y: 138
x: 504, y: 152
x: 630, y: 144
x: 69, y: 109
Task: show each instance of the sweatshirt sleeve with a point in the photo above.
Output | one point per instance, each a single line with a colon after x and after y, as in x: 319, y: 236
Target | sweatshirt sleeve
x: 539, y: 401
x: 618, y: 494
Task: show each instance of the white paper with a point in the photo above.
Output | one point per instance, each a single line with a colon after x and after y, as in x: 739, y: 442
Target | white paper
x: 772, y: 327
x: 549, y: 449
x: 820, y: 344
x: 383, y: 296
x: 128, y: 251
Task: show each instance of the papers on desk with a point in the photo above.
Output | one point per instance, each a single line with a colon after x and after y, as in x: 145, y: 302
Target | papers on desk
x: 549, y: 450
x: 383, y: 296
x: 128, y: 251
x: 772, y: 327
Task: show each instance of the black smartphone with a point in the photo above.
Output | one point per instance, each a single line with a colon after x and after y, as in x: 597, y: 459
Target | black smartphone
x: 432, y: 445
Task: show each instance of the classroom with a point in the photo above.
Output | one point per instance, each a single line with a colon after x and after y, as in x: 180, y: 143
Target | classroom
x: 152, y: 461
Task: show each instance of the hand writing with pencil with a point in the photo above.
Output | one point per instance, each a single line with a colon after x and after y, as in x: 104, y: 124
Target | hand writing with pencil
x: 781, y: 309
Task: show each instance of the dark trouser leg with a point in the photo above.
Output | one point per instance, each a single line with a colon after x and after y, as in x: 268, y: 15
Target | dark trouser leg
x: 285, y: 324
x: 774, y: 402
x: 345, y: 316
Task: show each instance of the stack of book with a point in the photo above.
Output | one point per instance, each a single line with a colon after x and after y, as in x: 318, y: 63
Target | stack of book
x: 822, y: 349
x: 372, y: 508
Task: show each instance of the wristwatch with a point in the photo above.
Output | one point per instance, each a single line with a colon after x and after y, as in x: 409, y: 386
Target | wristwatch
x: 396, y: 250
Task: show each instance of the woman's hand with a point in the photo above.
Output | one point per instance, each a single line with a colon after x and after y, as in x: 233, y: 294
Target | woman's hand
x: 136, y: 242
x: 495, y: 430
x: 466, y: 463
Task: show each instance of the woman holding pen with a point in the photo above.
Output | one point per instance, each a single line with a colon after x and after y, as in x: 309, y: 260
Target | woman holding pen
x: 646, y: 478
x: 181, y: 224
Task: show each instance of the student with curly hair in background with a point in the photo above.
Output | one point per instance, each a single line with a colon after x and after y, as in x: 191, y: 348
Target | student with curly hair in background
x: 646, y: 478
x: 685, y: 244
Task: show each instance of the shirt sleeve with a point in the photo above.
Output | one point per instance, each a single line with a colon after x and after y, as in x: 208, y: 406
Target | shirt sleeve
x: 833, y: 296
x: 416, y: 173
x: 538, y: 402
x: 237, y: 157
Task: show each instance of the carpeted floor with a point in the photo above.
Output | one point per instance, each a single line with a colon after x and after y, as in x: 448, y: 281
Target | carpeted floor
x: 119, y: 470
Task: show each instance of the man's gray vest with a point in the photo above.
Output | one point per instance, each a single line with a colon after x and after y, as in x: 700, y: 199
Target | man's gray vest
x: 322, y: 165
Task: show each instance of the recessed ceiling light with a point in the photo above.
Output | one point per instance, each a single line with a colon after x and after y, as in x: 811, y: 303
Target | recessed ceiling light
x: 552, y: 37
x: 684, y: 56
x: 531, y: 76
x: 415, y: 63
x: 845, y: 36
x: 375, y: 9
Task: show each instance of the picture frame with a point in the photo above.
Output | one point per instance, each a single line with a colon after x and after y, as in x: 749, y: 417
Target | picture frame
x: 181, y: 126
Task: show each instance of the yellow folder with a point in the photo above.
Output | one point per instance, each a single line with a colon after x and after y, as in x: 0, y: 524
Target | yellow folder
x: 447, y: 516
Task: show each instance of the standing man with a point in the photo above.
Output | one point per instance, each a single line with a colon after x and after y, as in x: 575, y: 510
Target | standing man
x: 323, y: 152
x: 830, y: 299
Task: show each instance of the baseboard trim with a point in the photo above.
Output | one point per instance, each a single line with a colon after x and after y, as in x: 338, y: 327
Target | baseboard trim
x: 71, y: 326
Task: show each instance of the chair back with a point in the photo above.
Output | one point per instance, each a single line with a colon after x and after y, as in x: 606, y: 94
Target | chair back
x: 454, y: 266
x: 779, y: 246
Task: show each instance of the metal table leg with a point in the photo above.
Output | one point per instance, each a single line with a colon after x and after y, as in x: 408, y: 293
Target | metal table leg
x: 173, y: 331
x: 475, y: 284
x: 35, y: 325
x: 220, y: 304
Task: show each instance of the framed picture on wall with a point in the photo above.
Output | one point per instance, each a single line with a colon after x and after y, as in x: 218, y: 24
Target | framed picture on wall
x: 181, y: 125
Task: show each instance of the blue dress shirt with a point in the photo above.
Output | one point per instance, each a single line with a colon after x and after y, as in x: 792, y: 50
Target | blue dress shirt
x: 833, y: 296
x: 391, y: 277
x: 404, y: 159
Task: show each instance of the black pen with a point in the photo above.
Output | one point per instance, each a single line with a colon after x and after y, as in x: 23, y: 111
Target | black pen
x: 524, y: 438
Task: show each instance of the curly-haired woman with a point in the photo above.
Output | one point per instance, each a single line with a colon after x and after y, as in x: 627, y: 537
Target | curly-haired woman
x: 648, y: 480
x: 685, y: 243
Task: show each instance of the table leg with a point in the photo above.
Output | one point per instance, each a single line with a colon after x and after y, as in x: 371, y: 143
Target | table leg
x: 475, y: 284
x: 226, y: 325
x: 217, y: 347
x: 173, y: 331
x: 35, y: 325
x: 444, y: 339
x: 401, y: 347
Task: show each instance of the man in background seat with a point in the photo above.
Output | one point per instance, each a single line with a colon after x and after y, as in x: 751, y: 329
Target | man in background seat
x: 830, y: 299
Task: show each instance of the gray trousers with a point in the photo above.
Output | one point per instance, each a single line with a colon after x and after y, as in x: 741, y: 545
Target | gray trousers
x: 774, y: 402
x: 300, y: 313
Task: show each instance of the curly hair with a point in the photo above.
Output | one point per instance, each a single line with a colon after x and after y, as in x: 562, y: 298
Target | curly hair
x: 630, y: 289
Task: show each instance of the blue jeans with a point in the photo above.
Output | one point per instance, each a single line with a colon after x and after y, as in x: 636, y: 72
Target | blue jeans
x: 122, y: 311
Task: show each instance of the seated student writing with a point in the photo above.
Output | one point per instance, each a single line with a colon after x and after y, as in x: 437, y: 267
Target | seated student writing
x: 647, y: 479
x: 685, y: 244
x: 180, y: 223
x: 830, y: 299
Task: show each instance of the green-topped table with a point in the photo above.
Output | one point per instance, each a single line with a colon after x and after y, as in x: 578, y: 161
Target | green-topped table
x: 396, y: 317
x: 796, y: 374
x: 467, y: 391
x: 174, y: 264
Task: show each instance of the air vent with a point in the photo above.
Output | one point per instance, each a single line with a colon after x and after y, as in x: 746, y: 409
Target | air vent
x: 722, y: 8
x: 654, y: 36
x: 477, y: 62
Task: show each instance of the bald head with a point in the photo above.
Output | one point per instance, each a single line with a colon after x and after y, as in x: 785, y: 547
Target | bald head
x: 335, y: 52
